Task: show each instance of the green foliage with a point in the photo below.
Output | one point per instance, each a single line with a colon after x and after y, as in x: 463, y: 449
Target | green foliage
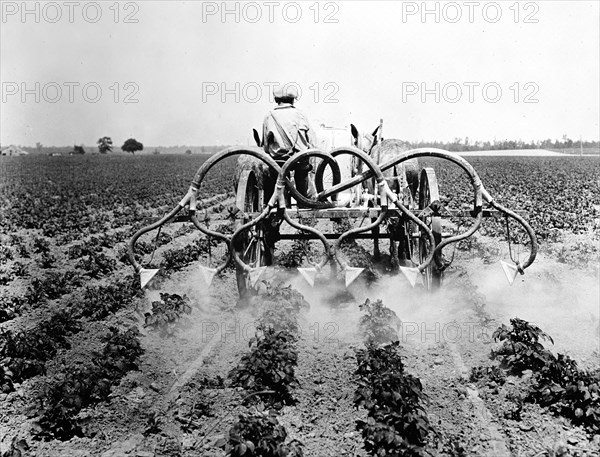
x: 46, y: 260
x: 5, y: 254
x: 98, y: 302
x: 105, y: 144
x: 259, y: 434
x: 78, y: 149
x: 40, y: 245
x: 6, y: 379
x: 82, y: 385
x: 132, y: 145
x: 96, y: 265
x: 522, y: 349
x: 376, y: 324
x: 269, y: 366
x: 569, y: 391
x: 80, y: 250
x: 487, y: 374
x: 6, y: 276
x: 176, y: 259
x: 557, y: 381
x: 293, y: 257
x: 397, y: 423
x: 10, y: 307
x: 167, y: 312
x: 279, y: 306
x: 120, y: 353
x: 52, y: 286
x: 24, y: 353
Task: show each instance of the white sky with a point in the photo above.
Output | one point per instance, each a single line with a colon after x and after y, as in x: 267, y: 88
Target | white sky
x: 370, y: 64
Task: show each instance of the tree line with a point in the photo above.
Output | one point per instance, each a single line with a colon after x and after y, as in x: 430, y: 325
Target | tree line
x: 131, y: 145
x: 462, y: 145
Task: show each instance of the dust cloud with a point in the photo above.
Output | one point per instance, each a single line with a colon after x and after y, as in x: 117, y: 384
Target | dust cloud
x: 564, y: 302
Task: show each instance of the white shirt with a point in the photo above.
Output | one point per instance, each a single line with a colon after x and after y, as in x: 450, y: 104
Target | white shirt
x: 300, y: 135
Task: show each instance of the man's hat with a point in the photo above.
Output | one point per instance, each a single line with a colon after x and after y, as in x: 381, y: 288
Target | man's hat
x: 287, y: 91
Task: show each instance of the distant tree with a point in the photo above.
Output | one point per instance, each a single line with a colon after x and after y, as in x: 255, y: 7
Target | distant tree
x: 39, y: 146
x: 105, y: 145
x: 78, y: 149
x: 131, y: 145
x: 189, y: 151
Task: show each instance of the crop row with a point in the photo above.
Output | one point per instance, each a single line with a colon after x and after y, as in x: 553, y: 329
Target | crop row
x: 23, y: 353
x: 79, y: 386
x: 558, y: 193
x: 67, y: 198
x: 267, y: 373
x: 557, y: 382
x: 397, y: 423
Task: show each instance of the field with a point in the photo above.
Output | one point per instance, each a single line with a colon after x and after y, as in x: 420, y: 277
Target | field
x: 90, y: 365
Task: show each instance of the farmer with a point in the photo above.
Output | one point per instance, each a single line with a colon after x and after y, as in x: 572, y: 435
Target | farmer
x: 286, y: 131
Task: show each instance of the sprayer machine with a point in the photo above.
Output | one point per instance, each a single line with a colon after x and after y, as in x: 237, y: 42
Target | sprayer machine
x: 400, y: 202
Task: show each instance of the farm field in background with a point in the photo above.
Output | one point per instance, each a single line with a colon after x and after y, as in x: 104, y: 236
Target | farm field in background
x: 91, y: 365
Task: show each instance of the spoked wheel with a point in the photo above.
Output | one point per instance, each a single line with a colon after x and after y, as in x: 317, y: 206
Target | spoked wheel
x: 324, y: 178
x: 253, y: 248
x: 405, y: 231
x: 428, y: 193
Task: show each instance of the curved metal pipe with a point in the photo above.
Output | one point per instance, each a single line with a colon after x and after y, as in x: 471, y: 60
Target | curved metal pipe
x: 386, y: 193
x: 338, y: 242
x: 394, y: 199
x: 214, y: 234
x: 526, y: 226
x: 314, y: 231
x: 413, y: 153
x: 479, y: 191
x: 287, y: 166
x: 234, y: 150
x: 155, y: 225
x: 461, y: 236
x: 195, y: 186
x: 358, y: 153
x: 192, y: 195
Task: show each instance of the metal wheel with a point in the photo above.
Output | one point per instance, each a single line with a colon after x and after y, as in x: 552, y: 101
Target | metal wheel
x: 324, y: 178
x: 253, y: 248
x: 429, y: 193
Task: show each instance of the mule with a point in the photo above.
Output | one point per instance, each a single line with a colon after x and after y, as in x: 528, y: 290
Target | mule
x: 398, y: 177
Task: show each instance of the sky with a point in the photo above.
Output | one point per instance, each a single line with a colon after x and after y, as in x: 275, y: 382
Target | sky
x: 202, y: 73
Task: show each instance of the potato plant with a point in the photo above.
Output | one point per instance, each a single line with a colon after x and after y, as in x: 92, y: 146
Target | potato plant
x: 24, y: 353
x: 269, y: 366
x: 397, y: 423
x: 97, y: 302
x: 267, y: 372
x: 259, y: 433
x: 167, y: 312
x: 557, y: 381
x: 82, y: 385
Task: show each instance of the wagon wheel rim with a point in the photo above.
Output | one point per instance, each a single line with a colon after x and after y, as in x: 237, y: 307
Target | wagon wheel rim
x: 253, y: 250
x: 324, y: 178
x: 428, y: 193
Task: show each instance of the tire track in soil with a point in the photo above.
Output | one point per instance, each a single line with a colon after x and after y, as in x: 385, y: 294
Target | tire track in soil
x: 324, y: 418
x: 539, y: 299
x: 429, y: 352
x: 497, y: 440
x: 454, y: 408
